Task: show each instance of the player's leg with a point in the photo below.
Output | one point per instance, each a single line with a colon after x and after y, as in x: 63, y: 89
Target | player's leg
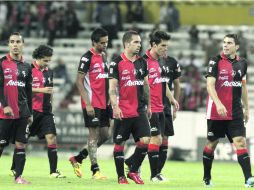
x: 5, y: 133
x: 237, y: 131
x: 120, y: 135
x: 156, y: 123
x: 21, y: 138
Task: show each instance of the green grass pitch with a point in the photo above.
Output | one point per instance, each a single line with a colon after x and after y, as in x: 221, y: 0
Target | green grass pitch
x: 182, y: 175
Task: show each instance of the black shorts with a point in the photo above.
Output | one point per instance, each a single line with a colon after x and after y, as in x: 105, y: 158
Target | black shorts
x: 169, y: 127
x: 101, y: 119
x: 13, y: 130
x: 43, y: 124
x: 220, y: 128
x: 137, y: 126
x: 157, y: 123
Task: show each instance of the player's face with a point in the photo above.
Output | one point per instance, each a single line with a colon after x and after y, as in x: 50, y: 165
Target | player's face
x: 229, y: 46
x: 135, y: 44
x: 162, y: 48
x: 43, y: 62
x: 16, y: 45
x: 101, y: 45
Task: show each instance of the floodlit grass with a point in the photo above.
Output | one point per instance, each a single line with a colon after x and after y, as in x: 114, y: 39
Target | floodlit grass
x: 182, y: 175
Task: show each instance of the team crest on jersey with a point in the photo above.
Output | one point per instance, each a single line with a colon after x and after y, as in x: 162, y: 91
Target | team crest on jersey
x: 96, y: 65
x: 84, y: 59
x: 152, y: 70
x: 211, y: 62
x: 24, y: 73
x: 240, y: 73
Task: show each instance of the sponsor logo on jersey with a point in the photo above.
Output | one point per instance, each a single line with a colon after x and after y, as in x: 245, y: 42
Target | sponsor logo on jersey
x: 96, y: 70
x: 125, y: 72
x: 35, y: 79
x: 24, y: 73
x: 152, y: 70
x: 223, y: 77
x: 134, y: 83
x: 96, y: 65
x: 153, y: 75
x: 84, y: 59
x: 223, y: 72
x: 232, y: 84
x: 160, y: 80
x: 8, y: 76
x: 16, y: 83
x: 128, y: 77
x: 102, y: 76
x: 36, y: 85
x: 8, y: 70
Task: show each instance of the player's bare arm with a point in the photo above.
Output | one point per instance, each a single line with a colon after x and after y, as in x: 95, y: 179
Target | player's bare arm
x: 171, y: 98
x: 147, y: 96
x: 113, y: 98
x: 45, y: 90
x: 84, y: 94
x: 213, y: 94
x: 245, y: 102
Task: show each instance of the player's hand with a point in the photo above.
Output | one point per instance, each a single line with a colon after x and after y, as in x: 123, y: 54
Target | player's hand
x: 149, y: 112
x: 30, y: 120
x: 174, y: 114
x: 48, y: 90
x: 8, y: 111
x: 175, y: 104
x: 117, y: 112
x: 90, y: 110
x: 221, y: 110
x: 246, y: 115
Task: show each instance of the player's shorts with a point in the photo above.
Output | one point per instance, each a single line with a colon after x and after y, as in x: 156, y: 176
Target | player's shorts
x: 43, y: 124
x: 101, y: 119
x: 137, y: 126
x: 169, y: 127
x: 157, y: 123
x: 220, y: 128
x: 13, y: 130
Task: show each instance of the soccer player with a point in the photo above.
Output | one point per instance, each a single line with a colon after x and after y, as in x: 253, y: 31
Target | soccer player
x: 15, y: 102
x: 128, y: 78
x: 43, y: 119
x: 93, y: 87
x: 159, y: 76
x: 226, y: 86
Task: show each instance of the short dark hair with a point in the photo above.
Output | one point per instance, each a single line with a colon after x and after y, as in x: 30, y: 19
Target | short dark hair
x: 42, y: 51
x: 98, y: 33
x: 234, y: 36
x: 127, y: 37
x: 157, y: 36
x: 16, y: 34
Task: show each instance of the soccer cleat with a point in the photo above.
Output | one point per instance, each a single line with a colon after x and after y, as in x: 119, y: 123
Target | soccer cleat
x: 12, y: 173
x: 207, y: 183
x: 164, y: 179
x: 76, y: 166
x: 21, y: 180
x: 135, y: 177
x: 57, y: 174
x: 128, y: 168
x: 158, y: 178
x: 98, y: 175
x: 249, y: 182
x: 122, y: 180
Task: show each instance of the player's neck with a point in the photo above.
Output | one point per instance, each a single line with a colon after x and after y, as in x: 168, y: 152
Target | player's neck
x: 132, y: 57
x: 154, y: 54
x: 16, y: 56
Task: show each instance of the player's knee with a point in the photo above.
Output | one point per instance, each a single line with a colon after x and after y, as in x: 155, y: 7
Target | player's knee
x: 20, y: 145
x: 212, y: 144
x: 145, y: 140
x: 156, y: 140
x: 92, y: 142
x: 239, y: 142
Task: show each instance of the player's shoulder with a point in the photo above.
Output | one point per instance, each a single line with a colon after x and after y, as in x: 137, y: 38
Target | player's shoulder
x: 214, y: 60
x: 116, y: 60
x: 86, y: 56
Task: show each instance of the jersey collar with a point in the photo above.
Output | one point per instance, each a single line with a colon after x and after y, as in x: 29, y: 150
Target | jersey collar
x: 223, y: 56
x: 11, y: 59
x: 126, y: 59
x: 36, y: 66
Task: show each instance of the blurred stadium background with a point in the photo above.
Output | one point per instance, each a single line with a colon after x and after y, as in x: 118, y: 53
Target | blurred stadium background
x: 196, y: 27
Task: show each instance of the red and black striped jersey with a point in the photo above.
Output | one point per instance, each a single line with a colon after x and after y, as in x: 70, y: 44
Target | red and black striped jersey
x: 15, y: 87
x: 42, y: 78
x: 229, y: 74
x: 157, y: 81
x: 96, y: 80
x: 130, y: 76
